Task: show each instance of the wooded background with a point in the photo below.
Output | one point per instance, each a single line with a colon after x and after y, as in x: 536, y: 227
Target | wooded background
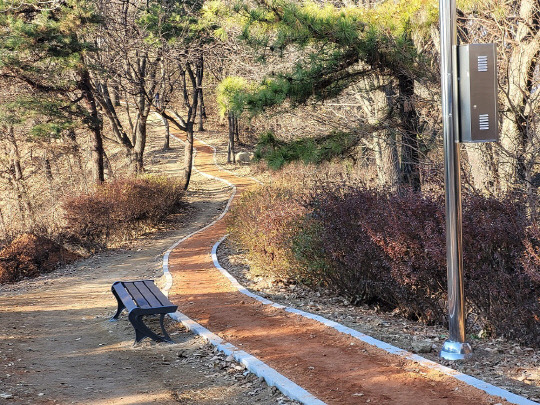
x: 356, y: 81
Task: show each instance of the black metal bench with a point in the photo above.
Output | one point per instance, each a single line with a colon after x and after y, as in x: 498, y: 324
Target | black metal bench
x: 142, y: 298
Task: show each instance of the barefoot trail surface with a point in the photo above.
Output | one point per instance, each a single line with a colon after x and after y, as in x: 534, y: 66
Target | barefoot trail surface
x: 336, y: 368
x: 57, y: 345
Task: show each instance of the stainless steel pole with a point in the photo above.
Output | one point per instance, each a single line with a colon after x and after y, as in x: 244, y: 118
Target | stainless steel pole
x: 455, y: 348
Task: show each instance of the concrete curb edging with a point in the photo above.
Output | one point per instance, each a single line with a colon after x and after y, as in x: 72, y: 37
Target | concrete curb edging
x: 252, y: 364
x: 166, y: 272
x: 222, y: 168
x: 467, y: 379
x: 271, y: 376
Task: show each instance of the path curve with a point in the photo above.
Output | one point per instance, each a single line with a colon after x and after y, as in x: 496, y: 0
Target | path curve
x: 335, y: 367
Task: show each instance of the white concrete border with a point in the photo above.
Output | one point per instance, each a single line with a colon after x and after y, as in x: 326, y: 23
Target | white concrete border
x: 166, y: 272
x: 467, y: 379
x: 271, y: 376
x: 252, y: 364
x: 222, y: 168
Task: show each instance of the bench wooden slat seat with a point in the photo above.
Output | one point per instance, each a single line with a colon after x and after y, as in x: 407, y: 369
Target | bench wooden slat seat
x: 140, y: 298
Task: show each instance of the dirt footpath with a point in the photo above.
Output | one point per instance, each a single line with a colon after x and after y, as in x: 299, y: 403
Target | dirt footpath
x: 57, y: 345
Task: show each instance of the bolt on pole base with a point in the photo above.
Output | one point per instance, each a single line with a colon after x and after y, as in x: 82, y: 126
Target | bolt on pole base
x: 455, y: 350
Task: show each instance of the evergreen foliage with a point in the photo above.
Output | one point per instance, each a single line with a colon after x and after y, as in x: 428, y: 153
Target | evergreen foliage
x: 277, y: 153
x: 175, y: 22
x: 45, y: 50
x: 231, y: 95
x: 337, y: 45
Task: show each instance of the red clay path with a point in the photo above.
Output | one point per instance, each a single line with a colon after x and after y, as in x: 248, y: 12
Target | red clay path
x: 336, y: 368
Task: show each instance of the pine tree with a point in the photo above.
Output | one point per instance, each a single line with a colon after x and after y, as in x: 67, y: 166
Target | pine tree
x: 45, y: 49
x: 336, y: 47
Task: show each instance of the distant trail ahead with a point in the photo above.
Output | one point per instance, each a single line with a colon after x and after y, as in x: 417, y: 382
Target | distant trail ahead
x: 333, y: 366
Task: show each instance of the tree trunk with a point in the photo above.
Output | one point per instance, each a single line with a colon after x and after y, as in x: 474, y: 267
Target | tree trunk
x: 116, y: 95
x: 140, y: 144
x: 22, y: 205
x: 530, y: 192
x: 47, y: 167
x: 49, y: 175
x: 410, y: 170
x: 166, y: 143
x: 515, y: 125
x: 15, y: 154
x: 202, y: 113
x: 236, y: 130
x: 3, y: 225
x: 378, y: 107
x: 18, y: 184
x: 188, y: 158
x: 387, y: 161
x: 200, y: 74
x: 231, y: 157
x: 98, y: 172
x: 108, y: 166
x: 145, y: 74
x: 483, y: 168
x: 196, y: 83
x: 108, y: 106
x: 77, y: 153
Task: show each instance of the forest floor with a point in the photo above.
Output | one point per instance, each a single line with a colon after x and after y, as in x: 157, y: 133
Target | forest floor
x: 57, y: 345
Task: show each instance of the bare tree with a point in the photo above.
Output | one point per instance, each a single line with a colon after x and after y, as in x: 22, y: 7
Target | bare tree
x: 510, y: 165
x: 191, y: 83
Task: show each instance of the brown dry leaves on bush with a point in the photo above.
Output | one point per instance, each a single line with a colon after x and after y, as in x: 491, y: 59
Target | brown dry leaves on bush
x: 388, y: 249
x: 30, y: 255
x: 117, y: 208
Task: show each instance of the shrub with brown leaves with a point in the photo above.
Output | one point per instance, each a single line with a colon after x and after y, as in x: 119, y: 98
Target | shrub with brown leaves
x: 390, y: 250
x: 30, y: 255
x: 263, y: 221
x: 120, y: 206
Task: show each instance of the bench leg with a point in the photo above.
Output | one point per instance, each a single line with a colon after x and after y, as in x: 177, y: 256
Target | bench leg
x: 142, y: 331
x: 121, y: 306
x: 165, y: 334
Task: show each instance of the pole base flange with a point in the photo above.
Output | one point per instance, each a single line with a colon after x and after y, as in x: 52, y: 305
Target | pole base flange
x: 456, y: 350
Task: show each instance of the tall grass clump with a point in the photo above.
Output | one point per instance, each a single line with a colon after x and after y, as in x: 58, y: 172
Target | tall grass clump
x: 119, y: 208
